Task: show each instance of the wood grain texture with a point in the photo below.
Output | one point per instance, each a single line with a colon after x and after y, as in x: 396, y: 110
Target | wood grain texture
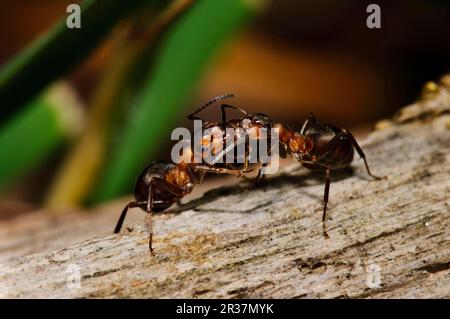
x: 267, y: 242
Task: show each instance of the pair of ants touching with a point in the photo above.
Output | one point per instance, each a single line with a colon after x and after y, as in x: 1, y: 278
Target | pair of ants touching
x: 316, y: 146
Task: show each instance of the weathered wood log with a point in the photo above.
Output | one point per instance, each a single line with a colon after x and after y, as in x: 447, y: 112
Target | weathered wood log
x: 388, y: 238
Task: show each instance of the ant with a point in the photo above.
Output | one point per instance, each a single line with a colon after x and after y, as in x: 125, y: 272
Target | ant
x: 317, y: 146
x: 163, y: 183
x: 321, y: 147
x: 250, y: 126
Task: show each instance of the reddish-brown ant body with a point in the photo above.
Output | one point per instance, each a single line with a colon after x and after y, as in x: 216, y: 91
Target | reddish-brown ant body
x: 316, y: 146
x: 161, y: 184
x: 215, y: 135
x: 321, y: 147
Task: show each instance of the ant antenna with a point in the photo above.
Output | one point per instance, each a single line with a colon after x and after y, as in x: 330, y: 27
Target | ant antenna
x: 213, y: 100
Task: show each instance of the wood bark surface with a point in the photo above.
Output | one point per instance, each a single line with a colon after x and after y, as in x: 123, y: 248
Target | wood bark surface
x: 388, y: 238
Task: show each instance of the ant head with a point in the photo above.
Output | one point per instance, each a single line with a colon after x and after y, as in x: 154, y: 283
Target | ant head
x: 294, y: 142
x: 299, y: 144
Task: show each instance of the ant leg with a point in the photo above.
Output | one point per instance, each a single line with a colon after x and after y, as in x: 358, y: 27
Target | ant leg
x: 191, y: 172
x: 122, y: 217
x: 124, y: 214
x: 347, y: 134
x: 204, y: 106
x: 172, y: 189
x: 310, y: 120
x: 224, y: 106
x: 360, y: 153
x: 325, y: 194
x: 221, y: 170
x: 258, y: 177
x: 252, y: 181
x: 325, y: 202
x: 245, y: 161
x: 149, y: 210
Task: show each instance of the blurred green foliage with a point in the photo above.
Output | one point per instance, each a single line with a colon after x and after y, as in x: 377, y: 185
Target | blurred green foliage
x: 59, y: 49
x: 30, y: 136
x: 162, y: 83
x: 183, y: 55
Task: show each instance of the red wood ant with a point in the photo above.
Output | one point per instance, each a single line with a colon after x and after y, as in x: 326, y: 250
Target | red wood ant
x: 316, y: 146
x: 321, y: 147
x: 249, y: 126
x: 161, y: 184
x: 252, y: 126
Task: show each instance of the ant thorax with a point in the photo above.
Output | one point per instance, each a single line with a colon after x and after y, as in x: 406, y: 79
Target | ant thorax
x: 238, y: 143
x: 255, y: 127
x: 178, y: 176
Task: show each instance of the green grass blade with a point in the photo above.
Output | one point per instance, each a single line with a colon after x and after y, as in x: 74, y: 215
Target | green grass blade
x: 51, y: 55
x: 182, y: 58
x: 35, y: 132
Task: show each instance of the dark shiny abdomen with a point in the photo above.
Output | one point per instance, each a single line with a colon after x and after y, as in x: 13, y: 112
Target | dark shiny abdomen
x: 156, y: 171
x: 329, y: 150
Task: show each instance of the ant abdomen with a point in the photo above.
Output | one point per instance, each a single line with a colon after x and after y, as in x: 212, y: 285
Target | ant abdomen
x: 332, y: 148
